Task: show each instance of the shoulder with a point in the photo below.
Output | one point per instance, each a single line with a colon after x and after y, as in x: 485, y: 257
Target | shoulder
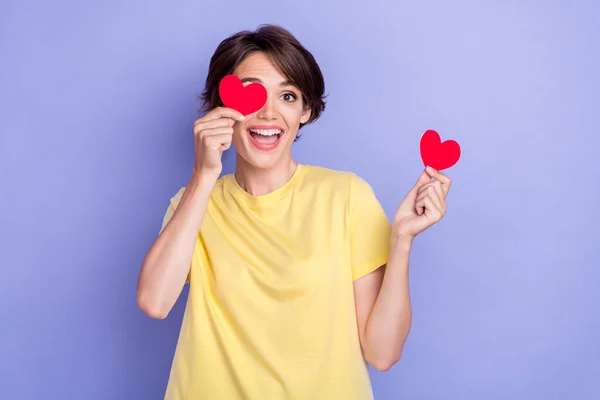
x: 177, y: 196
x: 327, y: 176
x: 339, y: 180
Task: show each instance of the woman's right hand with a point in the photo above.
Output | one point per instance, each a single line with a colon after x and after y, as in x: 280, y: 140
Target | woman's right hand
x: 168, y: 262
x: 212, y: 136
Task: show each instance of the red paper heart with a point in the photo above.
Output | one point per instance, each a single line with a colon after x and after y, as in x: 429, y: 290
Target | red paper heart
x: 436, y: 154
x: 246, y: 99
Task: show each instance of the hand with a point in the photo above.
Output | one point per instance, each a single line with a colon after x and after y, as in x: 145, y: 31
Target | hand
x: 423, y: 206
x: 212, y: 136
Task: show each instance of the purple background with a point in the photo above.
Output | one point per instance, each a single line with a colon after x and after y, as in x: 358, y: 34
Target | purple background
x: 97, y: 101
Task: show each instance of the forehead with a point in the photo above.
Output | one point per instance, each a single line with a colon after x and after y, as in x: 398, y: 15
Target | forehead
x: 259, y: 65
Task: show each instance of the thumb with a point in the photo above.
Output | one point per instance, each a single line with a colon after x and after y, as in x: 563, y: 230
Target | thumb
x: 423, y: 179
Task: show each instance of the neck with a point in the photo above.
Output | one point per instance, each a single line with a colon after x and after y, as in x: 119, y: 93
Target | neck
x: 261, y: 181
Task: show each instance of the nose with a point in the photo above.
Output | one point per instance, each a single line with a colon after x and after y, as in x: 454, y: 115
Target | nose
x: 268, y: 110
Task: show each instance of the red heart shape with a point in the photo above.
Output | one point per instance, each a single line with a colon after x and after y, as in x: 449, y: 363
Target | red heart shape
x: 246, y: 99
x: 436, y: 154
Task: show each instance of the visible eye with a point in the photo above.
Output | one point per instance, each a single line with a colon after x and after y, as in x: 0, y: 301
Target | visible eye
x: 287, y: 96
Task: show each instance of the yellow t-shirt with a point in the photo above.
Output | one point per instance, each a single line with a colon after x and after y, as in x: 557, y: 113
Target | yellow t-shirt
x: 270, y: 313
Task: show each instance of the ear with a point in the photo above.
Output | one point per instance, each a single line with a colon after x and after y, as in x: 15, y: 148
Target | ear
x: 305, y: 115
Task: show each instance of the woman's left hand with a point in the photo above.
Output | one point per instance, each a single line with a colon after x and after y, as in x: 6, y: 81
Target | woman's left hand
x: 423, y: 206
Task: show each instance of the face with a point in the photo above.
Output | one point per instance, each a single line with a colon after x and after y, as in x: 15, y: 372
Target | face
x: 264, y: 139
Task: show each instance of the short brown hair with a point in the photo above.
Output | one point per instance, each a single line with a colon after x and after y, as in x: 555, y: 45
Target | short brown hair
x: 295, y: 63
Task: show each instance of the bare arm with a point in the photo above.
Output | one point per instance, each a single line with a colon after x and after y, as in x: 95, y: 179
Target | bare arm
x: 383, y: 308
x: 167, y: 263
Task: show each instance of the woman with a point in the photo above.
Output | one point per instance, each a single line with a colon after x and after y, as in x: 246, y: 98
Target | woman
x: 297, y: 278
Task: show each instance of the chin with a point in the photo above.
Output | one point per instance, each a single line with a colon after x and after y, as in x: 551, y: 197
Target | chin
x: 264, y: 146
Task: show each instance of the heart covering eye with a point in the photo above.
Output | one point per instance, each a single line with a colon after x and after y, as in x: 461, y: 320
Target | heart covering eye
x: 245, y: 99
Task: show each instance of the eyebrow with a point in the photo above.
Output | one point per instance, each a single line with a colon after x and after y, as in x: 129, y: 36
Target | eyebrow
x: 252, y: 79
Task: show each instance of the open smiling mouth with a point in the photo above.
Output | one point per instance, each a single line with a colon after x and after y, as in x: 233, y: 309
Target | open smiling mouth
x: 265, y: 139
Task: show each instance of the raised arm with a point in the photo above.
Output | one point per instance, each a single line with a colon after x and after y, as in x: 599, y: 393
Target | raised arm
x: 167, y: 263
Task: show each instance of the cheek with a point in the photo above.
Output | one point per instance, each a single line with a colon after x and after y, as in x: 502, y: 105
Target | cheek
x: 293, y: 115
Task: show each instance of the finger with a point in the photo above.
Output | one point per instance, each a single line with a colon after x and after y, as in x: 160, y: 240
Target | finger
x: 437, y: 186
x: 437, y: 199
x: 421, y: 194
x: 223, y: 112
x: 445, y: 180
x: 420, y: 205
x: 423, y: 187
x: 219, y: 142
x: 432, y: 206
x: 433, y: 193
x: 200, y: 125
x: 427, y: 203
x: 423, y: 179
x: 215, y: 131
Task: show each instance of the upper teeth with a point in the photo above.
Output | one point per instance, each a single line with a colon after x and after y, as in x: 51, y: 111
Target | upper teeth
x: 266, y: 132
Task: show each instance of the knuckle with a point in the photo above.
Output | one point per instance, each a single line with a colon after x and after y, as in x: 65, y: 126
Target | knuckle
x: 206, y: 139
x: 217, y: 112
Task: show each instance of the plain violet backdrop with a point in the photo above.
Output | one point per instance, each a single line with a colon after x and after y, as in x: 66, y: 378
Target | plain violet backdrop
x: 97, y: 101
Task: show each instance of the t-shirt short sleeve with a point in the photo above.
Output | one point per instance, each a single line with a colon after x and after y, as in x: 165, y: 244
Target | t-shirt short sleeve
x: 169, y: 214
x: 370, y: 229
x: 171, y: 208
